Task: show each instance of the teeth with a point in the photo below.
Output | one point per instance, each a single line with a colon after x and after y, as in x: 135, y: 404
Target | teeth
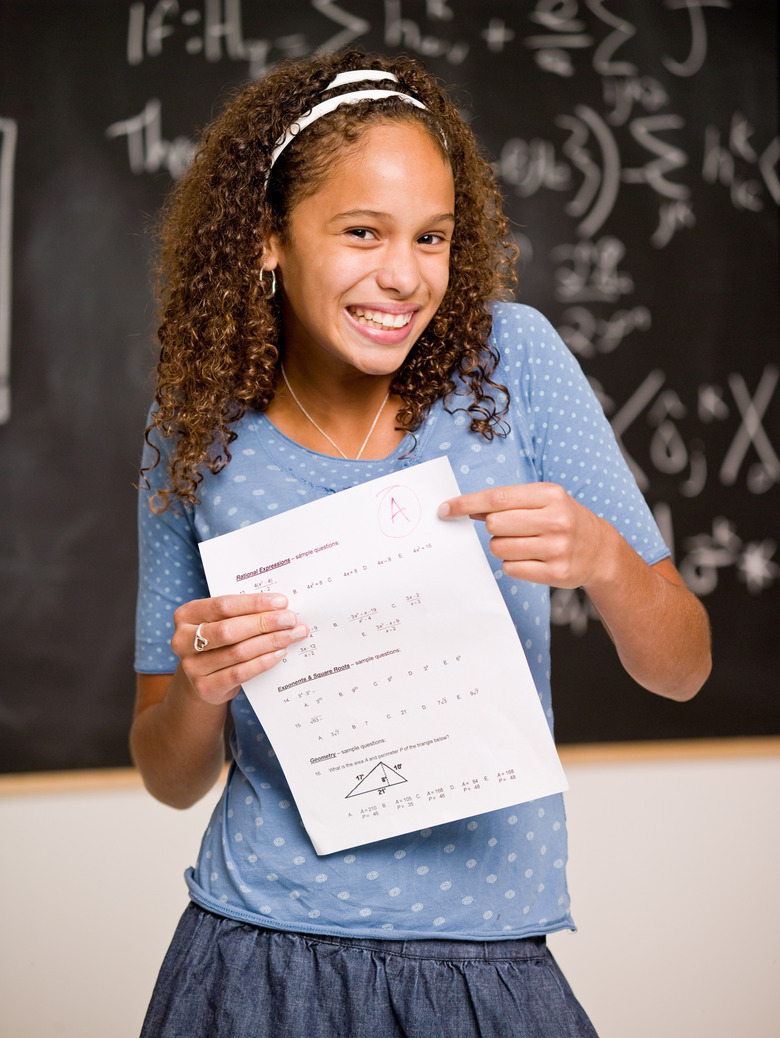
x: 377, y: 317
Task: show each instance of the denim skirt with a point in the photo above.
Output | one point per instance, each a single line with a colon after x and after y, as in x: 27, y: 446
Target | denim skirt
x: 226, y: 979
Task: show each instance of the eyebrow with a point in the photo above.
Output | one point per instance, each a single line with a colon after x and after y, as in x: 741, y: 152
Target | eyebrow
x: 377, y: 215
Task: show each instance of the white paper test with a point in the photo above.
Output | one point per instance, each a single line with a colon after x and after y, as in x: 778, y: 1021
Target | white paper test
x: 411, y: 703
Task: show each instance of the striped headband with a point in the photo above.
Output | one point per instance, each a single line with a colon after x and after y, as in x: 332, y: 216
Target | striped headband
x: 325, y: 107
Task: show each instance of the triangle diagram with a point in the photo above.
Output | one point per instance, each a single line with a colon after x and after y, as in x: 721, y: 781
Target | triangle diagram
x: 380, y: 777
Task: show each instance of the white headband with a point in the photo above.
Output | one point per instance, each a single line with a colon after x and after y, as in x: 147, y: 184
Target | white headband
x: 325, y: 107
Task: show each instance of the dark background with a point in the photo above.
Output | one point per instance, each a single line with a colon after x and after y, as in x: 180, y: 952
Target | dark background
x: 637, y: 146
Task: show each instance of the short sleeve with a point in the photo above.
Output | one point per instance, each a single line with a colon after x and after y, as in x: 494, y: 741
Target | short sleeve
x: 570, y: 438
x: 169, y: 570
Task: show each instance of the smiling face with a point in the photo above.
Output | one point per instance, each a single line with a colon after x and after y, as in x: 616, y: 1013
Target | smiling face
x: 364, y: 262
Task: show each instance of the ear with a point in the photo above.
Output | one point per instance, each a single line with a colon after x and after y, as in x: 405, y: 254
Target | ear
x: 271, y: 252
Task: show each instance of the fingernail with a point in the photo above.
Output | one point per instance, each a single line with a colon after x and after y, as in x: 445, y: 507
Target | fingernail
x: 444, y: 510
x: 286, y: 619
x: 301, y: 631
x: 278, y: 602
x: 280, y: 652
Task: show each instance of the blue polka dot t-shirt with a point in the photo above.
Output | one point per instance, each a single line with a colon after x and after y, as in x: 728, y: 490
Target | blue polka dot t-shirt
x: 495, y: 875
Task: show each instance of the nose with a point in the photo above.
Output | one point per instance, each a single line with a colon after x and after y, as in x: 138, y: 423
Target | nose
x: 399, y: 271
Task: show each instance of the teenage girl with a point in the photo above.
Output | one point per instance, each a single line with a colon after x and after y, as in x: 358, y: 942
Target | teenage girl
x: 334, y: 281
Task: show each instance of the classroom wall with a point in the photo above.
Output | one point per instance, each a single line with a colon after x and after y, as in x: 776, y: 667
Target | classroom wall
x: 92, y: 890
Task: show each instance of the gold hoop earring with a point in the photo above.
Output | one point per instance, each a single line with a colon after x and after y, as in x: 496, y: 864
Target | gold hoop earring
x: 268, y: 293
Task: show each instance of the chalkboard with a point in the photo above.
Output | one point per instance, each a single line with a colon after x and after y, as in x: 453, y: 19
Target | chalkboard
x: 637, y: 145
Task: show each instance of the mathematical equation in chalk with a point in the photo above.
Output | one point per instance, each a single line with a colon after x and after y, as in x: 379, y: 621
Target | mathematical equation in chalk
x: 552, y: 33
x: 554, y: 37
x: 747, y: 453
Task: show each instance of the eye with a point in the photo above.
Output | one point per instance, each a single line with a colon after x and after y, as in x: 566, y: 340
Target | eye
x: 433, y: 238
x: 361, y: 233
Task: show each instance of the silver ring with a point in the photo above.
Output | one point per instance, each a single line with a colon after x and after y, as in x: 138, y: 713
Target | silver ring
x: 201, y: 643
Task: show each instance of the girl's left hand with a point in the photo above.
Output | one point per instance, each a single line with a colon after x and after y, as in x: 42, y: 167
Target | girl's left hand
x: 544, y: 536
x: 539, y: 531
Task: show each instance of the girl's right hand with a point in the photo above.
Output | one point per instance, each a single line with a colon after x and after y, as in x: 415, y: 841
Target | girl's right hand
x: 240, y: 636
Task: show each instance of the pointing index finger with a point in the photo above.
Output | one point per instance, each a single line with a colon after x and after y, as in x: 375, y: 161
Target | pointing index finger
x: 494, y: 499
x: 457, y: 507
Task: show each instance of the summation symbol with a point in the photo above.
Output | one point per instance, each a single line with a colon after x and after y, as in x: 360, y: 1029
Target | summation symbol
x: 379, y: 778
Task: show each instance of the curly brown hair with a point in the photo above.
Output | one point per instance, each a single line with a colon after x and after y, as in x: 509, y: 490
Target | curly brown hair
x: 220, y: 335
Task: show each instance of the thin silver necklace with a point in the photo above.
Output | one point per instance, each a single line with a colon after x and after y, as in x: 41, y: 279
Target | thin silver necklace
x: 322, y: 431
